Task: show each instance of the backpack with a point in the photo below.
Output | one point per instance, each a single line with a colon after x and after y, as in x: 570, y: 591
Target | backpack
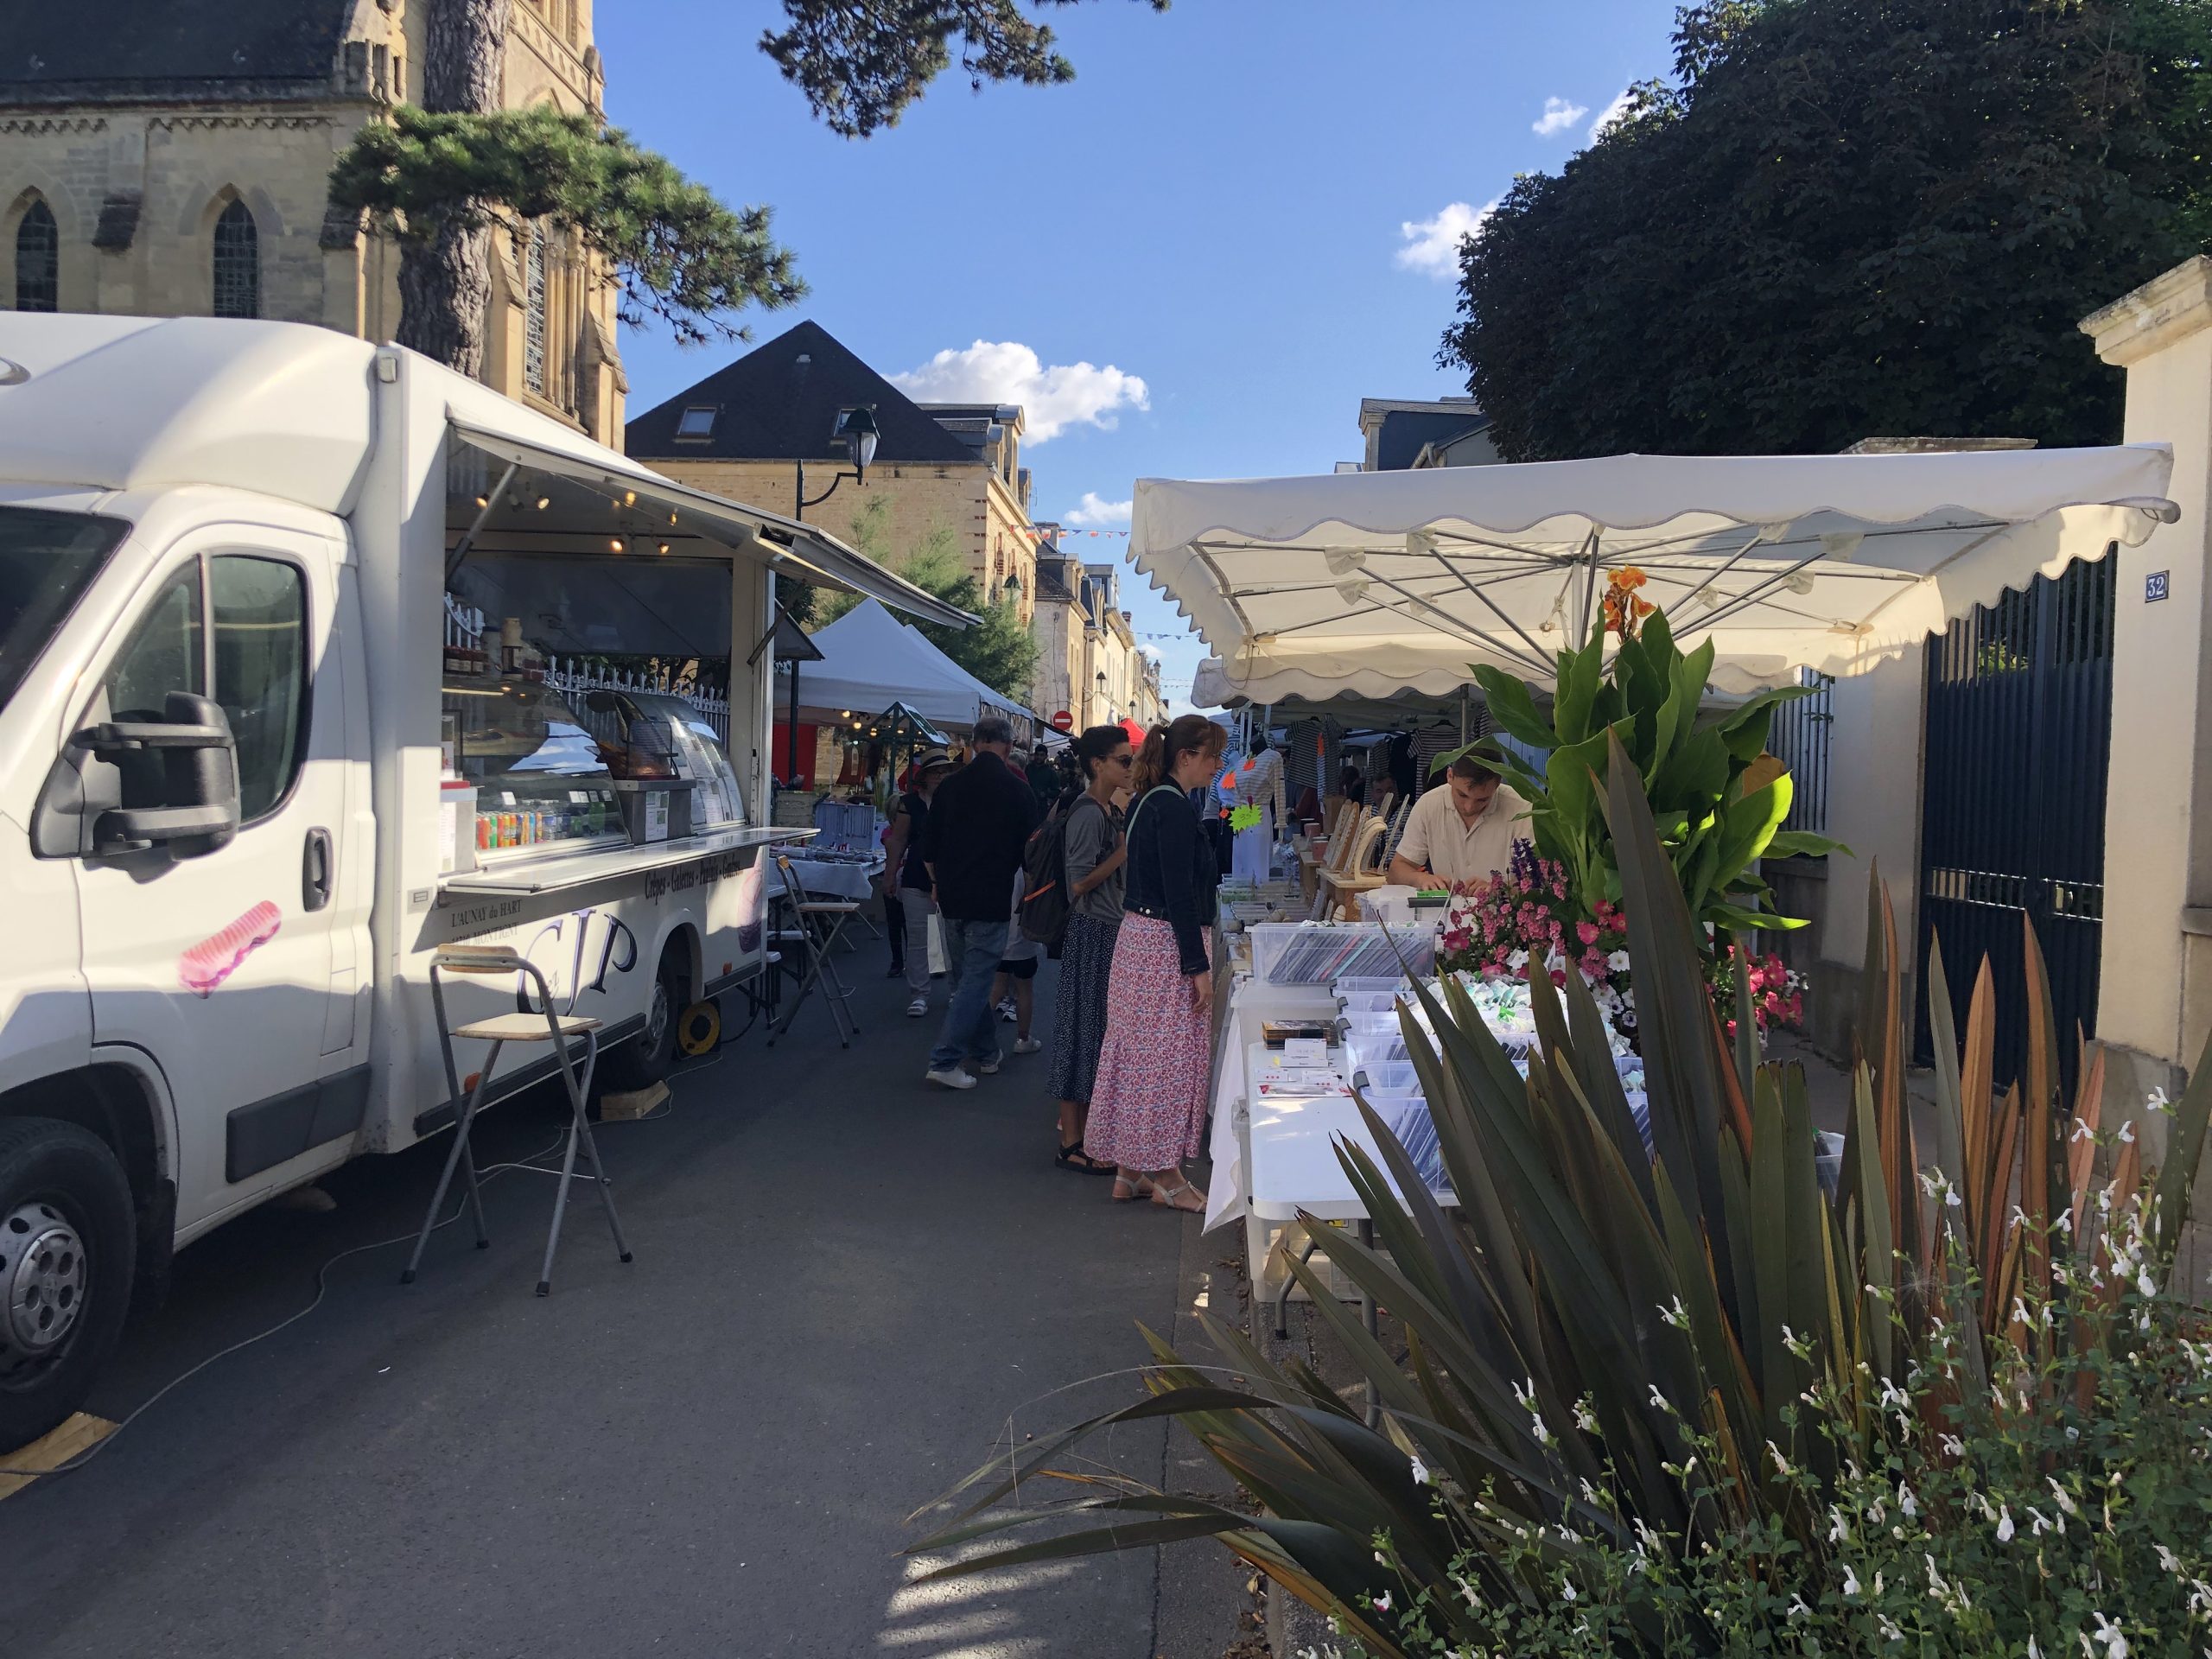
x: 1045, y: 904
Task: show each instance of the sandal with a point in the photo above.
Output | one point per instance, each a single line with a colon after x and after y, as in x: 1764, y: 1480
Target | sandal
x: 1073, y: 1156
x: 1182, y: 1196
x: 1126, y: 1191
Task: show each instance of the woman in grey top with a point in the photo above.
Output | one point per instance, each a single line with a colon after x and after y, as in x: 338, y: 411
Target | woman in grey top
x: 1095, y: 852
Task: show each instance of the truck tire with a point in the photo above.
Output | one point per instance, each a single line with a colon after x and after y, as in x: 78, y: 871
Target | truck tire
x: 68, y: 1257
x: 650, y: 1056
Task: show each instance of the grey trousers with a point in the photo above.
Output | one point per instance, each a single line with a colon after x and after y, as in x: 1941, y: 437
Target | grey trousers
x: 917, y: 908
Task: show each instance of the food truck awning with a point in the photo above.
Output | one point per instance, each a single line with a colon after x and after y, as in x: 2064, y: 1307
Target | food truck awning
x: 803, y: 551
x: 1375, y: 583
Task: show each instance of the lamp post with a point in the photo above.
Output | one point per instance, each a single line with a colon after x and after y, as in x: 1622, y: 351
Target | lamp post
x: 1106, y: 708
x: 856, y: 428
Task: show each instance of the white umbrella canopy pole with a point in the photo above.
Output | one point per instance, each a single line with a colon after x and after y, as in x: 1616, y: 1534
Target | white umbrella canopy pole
x: 1369, y: 583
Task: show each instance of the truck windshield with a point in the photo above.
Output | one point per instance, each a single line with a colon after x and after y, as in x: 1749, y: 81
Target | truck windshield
x: 47, y: 561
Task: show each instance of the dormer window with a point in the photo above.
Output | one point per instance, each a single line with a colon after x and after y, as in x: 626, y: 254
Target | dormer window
x: 697, y: 422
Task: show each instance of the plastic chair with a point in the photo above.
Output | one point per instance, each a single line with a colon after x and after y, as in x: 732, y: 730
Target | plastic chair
x: 524, y: 1025
x: 813, y: 930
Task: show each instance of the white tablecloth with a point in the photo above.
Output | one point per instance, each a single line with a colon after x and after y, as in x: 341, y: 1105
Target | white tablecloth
x: 1275, y: 1156
x: 835, y: 879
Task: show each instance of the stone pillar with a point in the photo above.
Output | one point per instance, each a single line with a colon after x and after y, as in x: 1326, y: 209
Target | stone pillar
x: 2158, y: 810
x: 2154, y: 999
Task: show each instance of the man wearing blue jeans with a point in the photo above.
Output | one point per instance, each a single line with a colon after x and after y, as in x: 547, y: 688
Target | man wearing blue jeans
x: 972, y: 843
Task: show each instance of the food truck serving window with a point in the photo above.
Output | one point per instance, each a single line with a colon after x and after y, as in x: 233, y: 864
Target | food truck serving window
x: 546, y: 752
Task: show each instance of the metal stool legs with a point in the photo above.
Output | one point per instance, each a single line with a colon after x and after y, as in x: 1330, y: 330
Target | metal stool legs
x: 522, y: 1025
x: 580, y: 1133
x: 459, y: 1154
x: 816, y: 925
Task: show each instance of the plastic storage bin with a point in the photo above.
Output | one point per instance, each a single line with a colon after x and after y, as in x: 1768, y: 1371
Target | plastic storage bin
x: 1305, y: 953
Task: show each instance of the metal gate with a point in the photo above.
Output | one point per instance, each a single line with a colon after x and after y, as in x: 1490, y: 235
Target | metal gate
x: 2012, y: 807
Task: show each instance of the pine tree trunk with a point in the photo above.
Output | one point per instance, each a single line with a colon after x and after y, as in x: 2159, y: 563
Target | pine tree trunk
x: 445, y: 279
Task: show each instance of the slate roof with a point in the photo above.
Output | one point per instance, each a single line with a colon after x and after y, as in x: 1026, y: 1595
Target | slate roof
x: 1406, y: 432
x: 73, y: 51
x: 770, y: 405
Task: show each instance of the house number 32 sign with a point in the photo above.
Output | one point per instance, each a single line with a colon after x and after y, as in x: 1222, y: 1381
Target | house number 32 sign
x: 2154, y: 587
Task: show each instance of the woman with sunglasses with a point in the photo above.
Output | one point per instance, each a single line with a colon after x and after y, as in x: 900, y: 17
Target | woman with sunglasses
x: 1095, y: 853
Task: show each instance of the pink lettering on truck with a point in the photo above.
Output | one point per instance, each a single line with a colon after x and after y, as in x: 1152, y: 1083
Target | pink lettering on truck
x: 214, y: 960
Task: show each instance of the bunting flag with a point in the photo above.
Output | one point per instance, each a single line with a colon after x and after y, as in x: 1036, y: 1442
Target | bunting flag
x: 1032, y: 531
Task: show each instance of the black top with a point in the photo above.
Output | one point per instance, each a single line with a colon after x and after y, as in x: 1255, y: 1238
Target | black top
x: 1403, y: 776
x: 1173, y: 872
x: 914, y: 871
x: 979, y: 820
x: 1045, y: 782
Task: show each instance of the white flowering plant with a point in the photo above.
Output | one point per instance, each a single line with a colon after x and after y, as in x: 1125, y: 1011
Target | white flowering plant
x: 2063, y: 1506
x: 1674, y: 1394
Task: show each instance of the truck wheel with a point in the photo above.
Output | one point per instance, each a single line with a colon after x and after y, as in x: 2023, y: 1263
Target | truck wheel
x: 650, y: 1055
x: 67, y: 1259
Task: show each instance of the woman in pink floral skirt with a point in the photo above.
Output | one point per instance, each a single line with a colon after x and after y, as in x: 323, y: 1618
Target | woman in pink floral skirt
x: 1148, y: 1106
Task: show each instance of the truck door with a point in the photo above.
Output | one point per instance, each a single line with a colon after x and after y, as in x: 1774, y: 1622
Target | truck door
x: 235, y: 969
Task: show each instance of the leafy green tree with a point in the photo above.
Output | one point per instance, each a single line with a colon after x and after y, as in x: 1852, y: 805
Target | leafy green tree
x: 1846, y: 218
x: 998, y: 650
x: 676, y: 251
x: 679, y: 254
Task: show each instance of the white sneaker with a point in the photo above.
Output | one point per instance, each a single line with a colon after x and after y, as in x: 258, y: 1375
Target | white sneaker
x: 950, y: 1077
x: 1027, y: 1045
x: 917, y: 1007
x: 1007, y: 1012
x: 991, y: 1066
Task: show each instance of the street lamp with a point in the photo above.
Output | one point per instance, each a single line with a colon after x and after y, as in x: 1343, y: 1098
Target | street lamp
x: 1011, y: 591
x: 857, y: 431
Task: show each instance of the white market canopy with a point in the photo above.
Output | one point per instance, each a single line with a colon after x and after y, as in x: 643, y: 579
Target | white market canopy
x: 870, y: 660
x: 1372, y: 583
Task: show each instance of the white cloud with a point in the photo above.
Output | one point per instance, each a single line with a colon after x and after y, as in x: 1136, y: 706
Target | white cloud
x: 1433, y: 244
x: 1051, y: 399
x: 1150, y: 650
x: 1092, y: 510
x: 1558, y: 115
x: 1613, y: 112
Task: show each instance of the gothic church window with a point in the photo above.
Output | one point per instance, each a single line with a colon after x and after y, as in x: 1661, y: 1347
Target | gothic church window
x: 238, y: 262
x: 38, y: 260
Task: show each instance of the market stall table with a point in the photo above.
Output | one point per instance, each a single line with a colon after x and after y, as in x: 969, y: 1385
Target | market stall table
x: 839, y: 878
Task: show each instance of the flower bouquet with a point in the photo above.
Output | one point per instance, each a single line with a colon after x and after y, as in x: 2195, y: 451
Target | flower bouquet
x: 1524, y: 920
x: 1777, y: 994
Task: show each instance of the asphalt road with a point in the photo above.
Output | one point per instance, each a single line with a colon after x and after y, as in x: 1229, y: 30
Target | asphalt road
x: 847, y: 1286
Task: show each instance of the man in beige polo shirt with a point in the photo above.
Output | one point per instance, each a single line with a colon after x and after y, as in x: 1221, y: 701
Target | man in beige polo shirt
x: 1465, y: 833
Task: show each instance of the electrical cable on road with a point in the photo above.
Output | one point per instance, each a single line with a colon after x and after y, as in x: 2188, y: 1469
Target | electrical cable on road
x: 70, y: 1466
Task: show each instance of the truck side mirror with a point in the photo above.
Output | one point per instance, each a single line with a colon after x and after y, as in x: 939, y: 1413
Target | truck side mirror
x: 124, y: 786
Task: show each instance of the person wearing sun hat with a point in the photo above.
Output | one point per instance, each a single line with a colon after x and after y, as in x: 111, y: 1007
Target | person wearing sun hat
x: 905, y: 874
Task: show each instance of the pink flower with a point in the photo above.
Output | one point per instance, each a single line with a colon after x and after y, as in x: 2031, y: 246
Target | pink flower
x: 1587, y: 932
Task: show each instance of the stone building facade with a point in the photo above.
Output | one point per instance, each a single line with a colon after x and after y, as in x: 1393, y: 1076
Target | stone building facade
x: 172, y: 157
x: 1088, y: 661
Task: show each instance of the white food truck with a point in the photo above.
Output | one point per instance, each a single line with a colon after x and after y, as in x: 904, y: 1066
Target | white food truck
x: 315, y: 657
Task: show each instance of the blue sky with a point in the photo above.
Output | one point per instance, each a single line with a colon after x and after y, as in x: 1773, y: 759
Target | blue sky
x: 1193, y: 261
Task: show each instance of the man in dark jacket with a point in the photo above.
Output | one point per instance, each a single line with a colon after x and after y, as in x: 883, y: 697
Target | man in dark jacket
x: 1046, y: 779
x: 979, y: 822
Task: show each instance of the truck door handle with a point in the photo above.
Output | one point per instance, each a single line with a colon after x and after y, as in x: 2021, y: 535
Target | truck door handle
x: 318, y: 872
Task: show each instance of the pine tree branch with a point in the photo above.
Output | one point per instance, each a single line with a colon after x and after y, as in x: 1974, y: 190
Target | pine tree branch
x: 675, y: 253
x: 861, y: 62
